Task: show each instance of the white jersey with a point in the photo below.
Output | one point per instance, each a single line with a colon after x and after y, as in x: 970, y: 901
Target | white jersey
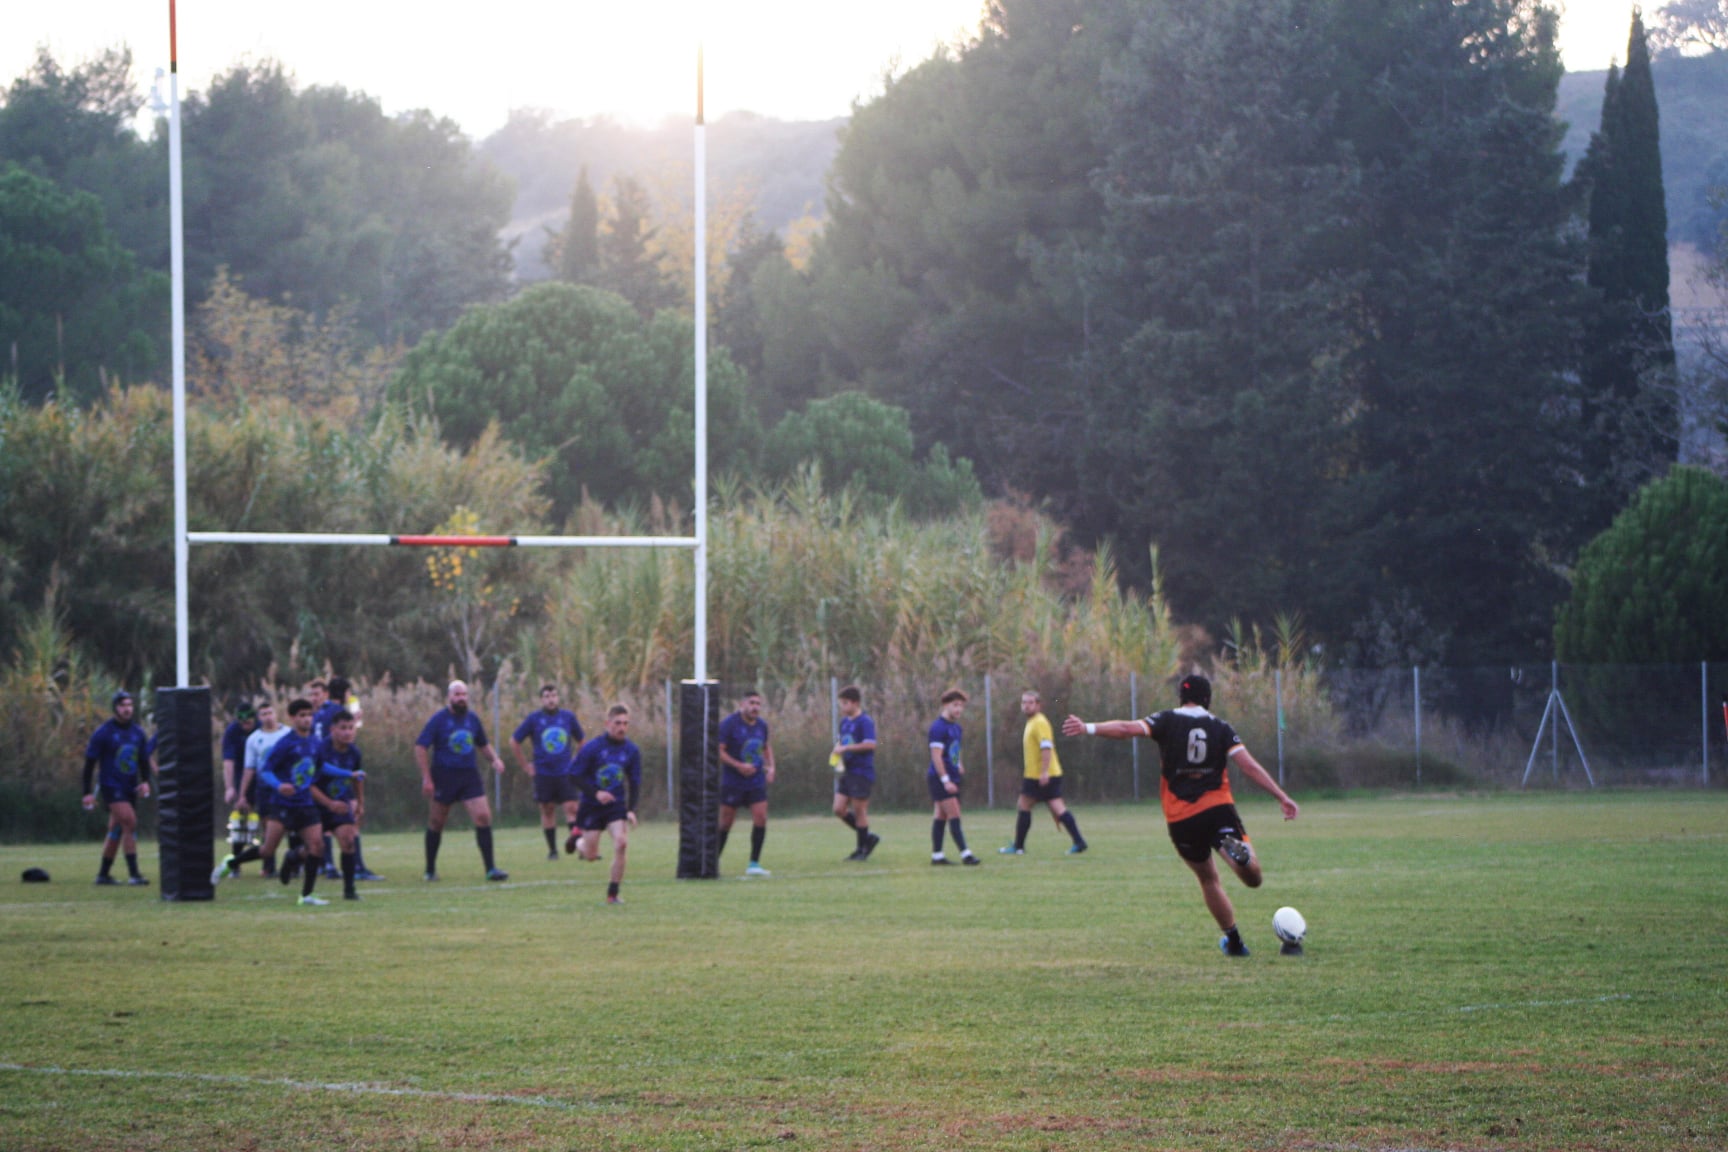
x: 258, y: 746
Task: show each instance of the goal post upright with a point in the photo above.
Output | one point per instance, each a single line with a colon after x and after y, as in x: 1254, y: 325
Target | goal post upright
x: 177, y: 262
x: 700, y: 645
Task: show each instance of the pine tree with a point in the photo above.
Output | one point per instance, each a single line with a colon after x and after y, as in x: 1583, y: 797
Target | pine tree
x: 574, y: 254
x: 1628, y: 361
x: 628, y: 265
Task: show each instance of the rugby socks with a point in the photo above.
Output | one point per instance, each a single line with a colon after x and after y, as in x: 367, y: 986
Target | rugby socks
x: 612, y: 889
x: 551, y: 839
x: 309, y: 874
x: 1233, y: 936
x: 269, y: 863
x: 849, y: 820
x: 107, y: 866
x: 483, y: 837
x: 350, y: 867
x: 359, y: 856
x: 757, y: 835
x: 721, y: 851
x: 1022, y: 825
x: 863, y: 835
x: 246, y: 855
x: 959, y: 836
x: 1068, y: 822
x: 132, y: 864
x: 937, y: 827
x: 434, y: 837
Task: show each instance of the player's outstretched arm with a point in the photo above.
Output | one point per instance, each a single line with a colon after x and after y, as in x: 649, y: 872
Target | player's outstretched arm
x: 1109, y: 729
x: 1263, y: 780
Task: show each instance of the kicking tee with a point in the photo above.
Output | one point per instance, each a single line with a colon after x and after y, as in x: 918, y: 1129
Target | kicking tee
x: 1194, y: 747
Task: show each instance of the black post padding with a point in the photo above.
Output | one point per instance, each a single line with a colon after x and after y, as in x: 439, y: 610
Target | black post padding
x: 185, y: 793
x: 699, y: 780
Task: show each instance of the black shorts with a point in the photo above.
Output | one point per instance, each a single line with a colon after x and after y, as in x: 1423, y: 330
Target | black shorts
x: 295, y: 818
x: 550, y: 789
x: 1044, y: 793
x: 855, y: 785
x: 126, y: 794
x: 335, y: 820
x: 744, y: 794
x: 596, y: 817
x: 457, y: 785
x: 939, y: 791
x: 1197, y: 836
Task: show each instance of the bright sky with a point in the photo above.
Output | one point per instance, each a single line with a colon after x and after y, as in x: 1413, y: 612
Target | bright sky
x: 794, y: 59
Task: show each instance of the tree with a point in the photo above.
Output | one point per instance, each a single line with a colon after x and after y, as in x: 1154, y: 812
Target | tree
x: 627, y: 263
x: 1653, y: 587
x: 861, y: 443
x: 1631, y: 425
x: 767, y: 320
x: 574, y: 254
x: 73, y: 306
x: 1692, y: 24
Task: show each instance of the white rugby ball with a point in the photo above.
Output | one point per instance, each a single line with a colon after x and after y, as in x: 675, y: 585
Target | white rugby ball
x: 1289, y: 925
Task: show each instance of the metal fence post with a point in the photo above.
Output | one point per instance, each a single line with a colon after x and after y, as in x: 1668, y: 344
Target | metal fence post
x: 989, y: 749
x: 497, y: 734
x: 1278, y: 698
x: 1134, y: 714
x: 1704, y: 716
x: 834, y: 708
x: 1416, y: 687
x: 1554, y: 732
x: 671, y: 779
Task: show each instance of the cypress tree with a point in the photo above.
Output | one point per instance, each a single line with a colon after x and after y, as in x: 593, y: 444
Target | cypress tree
x: 574, y: 254
x: 1631, y: 430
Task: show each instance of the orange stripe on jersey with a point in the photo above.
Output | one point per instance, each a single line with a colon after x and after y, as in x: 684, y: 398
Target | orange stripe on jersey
x: 1175, y: 808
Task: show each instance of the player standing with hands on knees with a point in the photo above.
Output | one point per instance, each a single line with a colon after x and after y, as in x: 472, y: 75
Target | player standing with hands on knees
x: 1196, y: 748
x: 448, y: 755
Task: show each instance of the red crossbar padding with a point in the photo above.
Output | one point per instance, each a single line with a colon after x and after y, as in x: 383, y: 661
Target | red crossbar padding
x: 454, y: 541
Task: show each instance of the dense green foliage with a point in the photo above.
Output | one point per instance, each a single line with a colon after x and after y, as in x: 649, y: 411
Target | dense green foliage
x: 1480, y: 973
x: 1653, y: 587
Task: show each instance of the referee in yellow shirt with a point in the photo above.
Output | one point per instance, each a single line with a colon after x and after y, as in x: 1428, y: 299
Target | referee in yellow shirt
x: 1043, y: 779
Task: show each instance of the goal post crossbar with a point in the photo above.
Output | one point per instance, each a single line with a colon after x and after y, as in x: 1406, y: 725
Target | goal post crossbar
x: 423, y: 541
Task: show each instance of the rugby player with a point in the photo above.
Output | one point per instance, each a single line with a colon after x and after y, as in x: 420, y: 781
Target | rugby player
x: 1196, y: 748
x: 1042, y: 783
x: 258, y: 746
x: 240, y: 803
x: 289, y: 773
x: 339, y: 788
x: 945, y: 776
x: 856, y: 747
x: 747, y: 768
x: 555, y: 735
x: 447, y: 753
x: 121, y: 749
x: 608, y: 772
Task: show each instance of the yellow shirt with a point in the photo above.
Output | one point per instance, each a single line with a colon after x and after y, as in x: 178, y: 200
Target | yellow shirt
x: 1038, y: 737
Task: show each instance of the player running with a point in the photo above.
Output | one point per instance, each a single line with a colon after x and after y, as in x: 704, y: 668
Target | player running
x: 447, y: 753
x: 945, y: 776
x: 747, y: 768
x: 121, y: 749
x: 258, y: 746
x: 1196, y: 748
x: 289, y: 772
x: 242, y: 811
x: 1042, y: 783
x: 856, y: 748
x: 339, y: 788
x: 608, y: 773
x: 555, y: 735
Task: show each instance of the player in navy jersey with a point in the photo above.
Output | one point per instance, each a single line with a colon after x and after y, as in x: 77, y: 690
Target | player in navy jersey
x: 289, y: 773
x: 1195, y: 749
x: 746, y: 770
x: 339, y: 789
x: 555, y: 736
x: 326, y: 702
x: 945, y: 776
x: 855, y: 749
x: 121, y: 750
x: 608, y: 772
x: 447, y: 753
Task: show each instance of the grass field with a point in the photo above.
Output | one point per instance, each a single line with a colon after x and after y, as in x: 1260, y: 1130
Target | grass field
x: 1482, y: 972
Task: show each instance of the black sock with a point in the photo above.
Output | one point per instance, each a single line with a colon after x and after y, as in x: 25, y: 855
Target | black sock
x: 359, y: 856
x: 1073, y: 826
x: 309, y: 875
x: 132, y: 863
x: 718, y: 852
x: 269, y: 862
x: 1232, y: 935
x: 434, y: 837
x: 849, y: 820
x: 863, y: 835
x: 246, y: 855
x: 551, y: 839
x: 107, y: 866
x: 350, y: 866
x: 758, y: 833
x: 937, y: 827
x: 483, y: 837
x: 1022, y: 825
x: 612, y: 889
x: 959, y: 836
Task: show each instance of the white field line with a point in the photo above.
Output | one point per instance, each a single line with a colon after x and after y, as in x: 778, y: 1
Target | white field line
x: 354, y: 1088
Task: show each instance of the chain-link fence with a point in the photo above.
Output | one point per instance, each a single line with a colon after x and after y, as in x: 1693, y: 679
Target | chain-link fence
x: 1566, y: 726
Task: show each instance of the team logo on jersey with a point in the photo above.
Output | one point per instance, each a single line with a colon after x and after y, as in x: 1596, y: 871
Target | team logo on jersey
x: 338, y: 785
x: 555, y: 741
x: 305, y: 771
x: 126, y: 760
x: 752, y: 752
x: 610, y: 778
x: 954, y: 755
x: 461, y: 741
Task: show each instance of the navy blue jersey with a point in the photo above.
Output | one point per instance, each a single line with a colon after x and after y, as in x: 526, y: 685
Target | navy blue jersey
x: 455, y: 742
x: 336, y: 768
x: 323, y: 718
x: 294, y: 761
x: 745, y: 742
x: 946, y: 734
x: 234, y: 744
x: 121, y: 752
x: 555, y: 735
x: 608, y: 765
x: 858, y: 729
